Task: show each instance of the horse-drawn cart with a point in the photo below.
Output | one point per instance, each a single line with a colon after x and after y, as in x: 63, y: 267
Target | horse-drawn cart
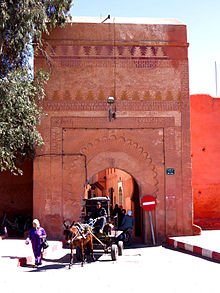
x: 108, y: 241
x: 85, y: 236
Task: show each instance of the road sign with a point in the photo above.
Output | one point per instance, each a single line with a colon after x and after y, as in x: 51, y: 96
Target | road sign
x: 170, y: 171
x: 148, y: 203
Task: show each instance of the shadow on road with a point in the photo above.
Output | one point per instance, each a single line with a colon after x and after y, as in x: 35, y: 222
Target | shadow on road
x: 11, y: 256
x: 60, y: 263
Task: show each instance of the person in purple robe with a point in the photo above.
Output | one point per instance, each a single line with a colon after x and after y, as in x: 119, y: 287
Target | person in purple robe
x: 37, y: 234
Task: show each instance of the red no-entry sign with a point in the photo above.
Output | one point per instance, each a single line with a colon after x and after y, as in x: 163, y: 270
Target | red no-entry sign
x: 148, y: 203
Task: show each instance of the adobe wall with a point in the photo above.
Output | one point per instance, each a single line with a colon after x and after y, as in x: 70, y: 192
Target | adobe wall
x: 205, y: 131
x: 16, y: 192
x: 145, y: 67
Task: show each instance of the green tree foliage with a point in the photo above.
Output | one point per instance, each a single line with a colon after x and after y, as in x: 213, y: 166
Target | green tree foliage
x: 19, y: 117
x: 22, y: 23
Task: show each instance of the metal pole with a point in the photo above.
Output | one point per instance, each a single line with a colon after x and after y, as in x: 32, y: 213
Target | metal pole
x: 152, y: 228
x: 216, y: 85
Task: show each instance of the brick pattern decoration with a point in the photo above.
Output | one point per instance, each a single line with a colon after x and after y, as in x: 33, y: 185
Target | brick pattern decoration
x: 108, y: 50
x: 102, y: 122
x: 77, y: 106
x: 110, y: 61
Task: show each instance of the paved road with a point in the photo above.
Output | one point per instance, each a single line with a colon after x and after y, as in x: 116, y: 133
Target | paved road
x: 149, y: 269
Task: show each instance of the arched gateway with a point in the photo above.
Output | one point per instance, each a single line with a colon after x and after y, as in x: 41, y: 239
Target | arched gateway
x: 147, y: 73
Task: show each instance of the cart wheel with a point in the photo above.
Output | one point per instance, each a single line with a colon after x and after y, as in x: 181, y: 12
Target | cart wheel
x: 114, y: 251
x: 120, y: 247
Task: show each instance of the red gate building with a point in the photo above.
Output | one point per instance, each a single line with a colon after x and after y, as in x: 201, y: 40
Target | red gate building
x: 143, y: 65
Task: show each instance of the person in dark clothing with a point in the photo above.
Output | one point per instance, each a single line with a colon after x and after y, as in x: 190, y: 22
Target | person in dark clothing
x: 127, y: 222
x: 121, y: 217
x: 100, y: 215
x: 116, y: 214
x: 127, y: 227
x: 116, y: 210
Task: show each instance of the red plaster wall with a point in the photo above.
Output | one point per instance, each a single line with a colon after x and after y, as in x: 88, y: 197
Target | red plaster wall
x: 17, y: 192
x: 109, y: 178
x: 205, y: 131
x: 113, y: 177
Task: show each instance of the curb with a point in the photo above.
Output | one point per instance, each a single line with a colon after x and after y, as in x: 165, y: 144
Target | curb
x: 194, y: 249
x: 23, y: 261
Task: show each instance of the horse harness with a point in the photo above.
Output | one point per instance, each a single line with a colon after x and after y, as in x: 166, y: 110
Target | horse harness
x: 83, y: 231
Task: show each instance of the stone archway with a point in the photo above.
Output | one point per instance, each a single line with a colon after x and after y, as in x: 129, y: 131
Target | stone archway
x: 113, y: 152
x: 59, y: 185
x: 104, y: 149
x: 138, y: 169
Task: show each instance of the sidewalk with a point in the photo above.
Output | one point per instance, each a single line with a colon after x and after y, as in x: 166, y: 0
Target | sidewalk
x: 16, y: 252
x: 207, y: 244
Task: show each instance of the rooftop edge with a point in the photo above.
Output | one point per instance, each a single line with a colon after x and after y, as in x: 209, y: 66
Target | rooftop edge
x: 130, y: 20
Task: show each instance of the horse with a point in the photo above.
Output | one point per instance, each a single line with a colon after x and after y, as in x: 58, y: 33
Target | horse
x: 80, y: 236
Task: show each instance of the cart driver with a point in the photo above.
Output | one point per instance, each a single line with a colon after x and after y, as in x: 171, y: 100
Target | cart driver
x: 100, y: 215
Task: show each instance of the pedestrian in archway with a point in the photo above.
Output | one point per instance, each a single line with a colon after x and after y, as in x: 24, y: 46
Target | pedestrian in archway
x: 127, y: 222
x: 121, y: 217
x: 116, y: 214
x: 127, y: 227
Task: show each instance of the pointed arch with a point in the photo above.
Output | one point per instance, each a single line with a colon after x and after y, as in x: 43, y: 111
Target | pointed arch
x: 117, y: 151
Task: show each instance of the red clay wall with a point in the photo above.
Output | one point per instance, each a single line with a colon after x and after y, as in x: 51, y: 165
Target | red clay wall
x: 17, y: 192
x: 110, y: 179
x: 205, y: 131
x: 114, y: 176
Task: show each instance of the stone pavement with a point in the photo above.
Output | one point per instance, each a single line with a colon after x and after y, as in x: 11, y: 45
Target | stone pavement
x: 14, y: 252
x: 207, y: 244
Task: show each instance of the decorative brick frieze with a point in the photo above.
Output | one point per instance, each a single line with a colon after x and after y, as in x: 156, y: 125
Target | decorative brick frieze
x: 142, y: 95
x: 146, y: 63
x: 121, y: 105
x: 93, y: 122
x: 106, y: 50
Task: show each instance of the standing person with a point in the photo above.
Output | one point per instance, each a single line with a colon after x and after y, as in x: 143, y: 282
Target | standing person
x: 116, y: 214
x: 121, y: 217
x: 127, y: 222
x: 116, y: 210
x: 100, y: 214
x: 37, y: 234
x: 127, y: 227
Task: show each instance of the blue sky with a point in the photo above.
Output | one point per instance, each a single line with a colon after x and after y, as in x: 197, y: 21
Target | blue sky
x: 202, y: 18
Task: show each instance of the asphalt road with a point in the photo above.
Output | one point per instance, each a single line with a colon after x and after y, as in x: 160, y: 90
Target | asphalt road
x: 147, y: 269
